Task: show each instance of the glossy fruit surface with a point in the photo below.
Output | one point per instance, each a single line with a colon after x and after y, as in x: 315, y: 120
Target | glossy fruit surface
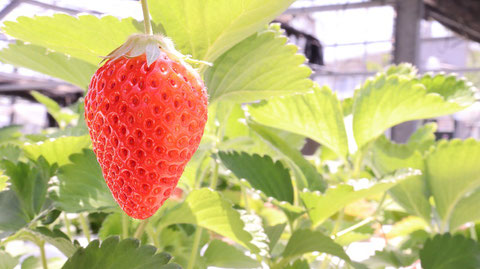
x: 145, y: 122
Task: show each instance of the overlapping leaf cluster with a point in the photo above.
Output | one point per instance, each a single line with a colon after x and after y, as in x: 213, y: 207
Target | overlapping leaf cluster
x: 267, y: 203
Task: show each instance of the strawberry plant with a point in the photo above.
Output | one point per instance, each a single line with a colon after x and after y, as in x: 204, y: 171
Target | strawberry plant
x: 246, y: 196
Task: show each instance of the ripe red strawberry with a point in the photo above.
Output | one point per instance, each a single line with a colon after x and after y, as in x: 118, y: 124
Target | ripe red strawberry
x: 146, y: 120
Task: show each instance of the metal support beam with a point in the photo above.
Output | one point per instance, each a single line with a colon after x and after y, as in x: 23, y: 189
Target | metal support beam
x: 406, y: 48
x: 15, y: 3
x: 8, y: 8
x: 70, y: 11
x: 322, y: 8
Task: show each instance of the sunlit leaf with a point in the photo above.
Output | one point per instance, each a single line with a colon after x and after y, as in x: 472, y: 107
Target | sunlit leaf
x: 317, y: 115
x: 453, y: 89
x: 57, y: 150
x: 206, y: 29
x: 385, y: 101
x: 7, y: 261
x: 412, y: 194
x: 208, y: 209
x: 350, y: 237
x: 62, y: 116
x: 85, y: 37
x: 306, y: 241
x: 221, y: 254
x: 322, y: 206
x: 405, y: 69
x: 259, y: 67
x: 407, y: 226
x: 464, y: 211
x: 391, y: 258
x: 453, y: 172
x: 58, y: 65
x: 3, y: 181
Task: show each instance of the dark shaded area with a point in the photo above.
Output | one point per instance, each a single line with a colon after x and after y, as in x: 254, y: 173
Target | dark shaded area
x: 18, y: 86
x: 313, y: 47
x: 460, y: 16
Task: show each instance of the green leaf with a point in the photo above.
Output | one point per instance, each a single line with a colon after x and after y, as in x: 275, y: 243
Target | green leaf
x: 82, y: 187
x: 423, y: 138
x: 85, y: 37
x: 451, y: 178
x: 56, y: 238
x: 445, y: 251
x: 322, y: 206
x: 208, y: 209
x: 12, y: 218
x: 178, y: 241
x: 317, y: 115
x: 232, y: 125
x: 405, y: 69
x: 57, y: 150
x: 7, y: 261
x: 350, y: 237
x: 221, y: 254
x: 35, y: 262
x: 30, y: 183
x: 306, y: 241
x: 305, y: 172
x: 347, y: 106
x: 73, y: 70
x: 407, y: 226
x: 272, y: 178
x: 62, y: 116
x: 261, y: 66
x: 412, y: 194
x: 51, y: 216
x: 10, y: 152
x: 3, y: 181
x: 463, y: 212
x: 386, y: 101
x: 116, y: 254
x: 10, y: 133
x: 207, y: 29
x: 274, y: 233
x: 453, y: 89
x: 31, y: 262
x: 391, y: 258
x: 112, y: 225
x: 298, y: 264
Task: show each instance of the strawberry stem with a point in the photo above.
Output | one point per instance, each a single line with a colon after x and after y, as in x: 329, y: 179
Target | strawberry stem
x: 139, y: 232
x: 195, y: 249
x: 43, y: 256
x: 146, y: 18
x: 124, y: 225
x: 84, y: 225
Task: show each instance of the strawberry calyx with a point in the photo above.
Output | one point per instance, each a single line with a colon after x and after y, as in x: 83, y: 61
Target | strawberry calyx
x: 152, y: 46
